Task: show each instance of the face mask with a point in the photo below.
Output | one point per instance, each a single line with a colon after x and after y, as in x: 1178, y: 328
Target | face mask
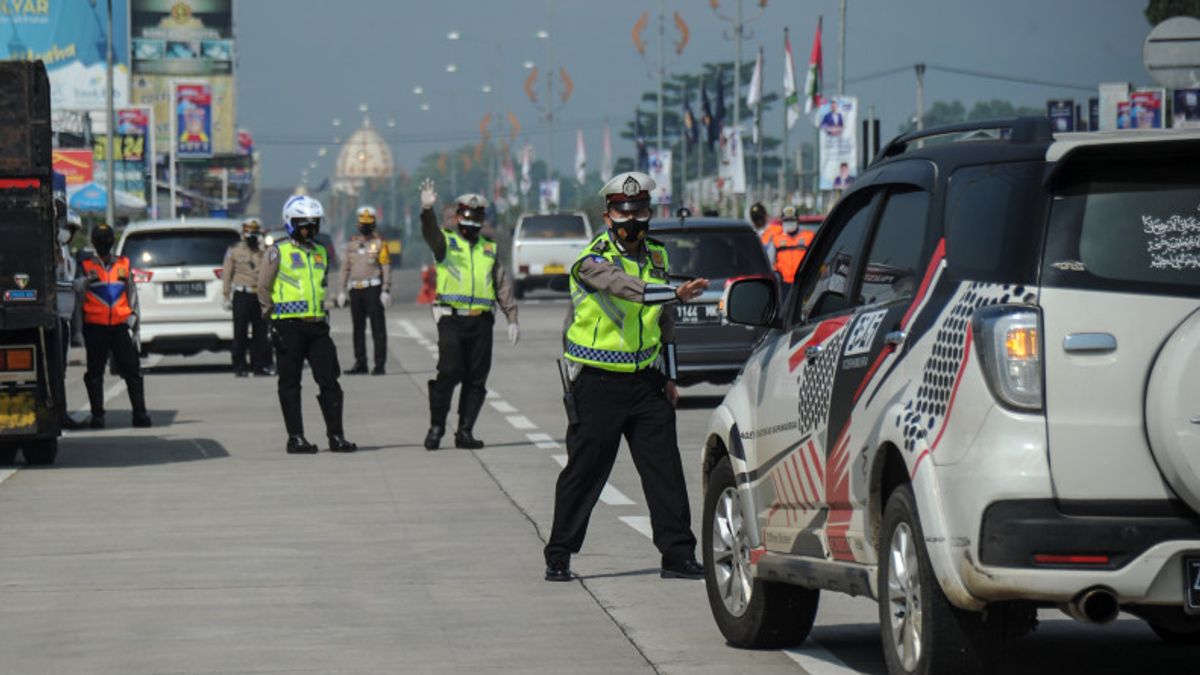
x: 366, y: 228
x: 791, y: 226
x: 102, y: 247
x: 631, y: 231
x: 470, y: 232
x: 252, y: 240
x: 64, y: 236
x: 303, y: 234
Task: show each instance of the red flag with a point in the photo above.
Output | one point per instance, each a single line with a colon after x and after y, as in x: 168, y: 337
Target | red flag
x: 812, y: 82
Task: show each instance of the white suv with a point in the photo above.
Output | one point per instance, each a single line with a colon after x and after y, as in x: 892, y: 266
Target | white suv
x: 981, y: 398
x: 177, y: 266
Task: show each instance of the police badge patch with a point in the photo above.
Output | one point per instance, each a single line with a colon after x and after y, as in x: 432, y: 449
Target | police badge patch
x: 22, y: 280
x: 297, y: 259
x: 657, y: 259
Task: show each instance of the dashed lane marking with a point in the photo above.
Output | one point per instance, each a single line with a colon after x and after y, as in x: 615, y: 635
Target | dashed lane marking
x: 520, y: 422
x: 5, y: 474
x: 503, y: 407
x: 609, y: 495
x: 543, y: 441
x: 816, y: 660
x: 493, y: 394
x: 639, y: 523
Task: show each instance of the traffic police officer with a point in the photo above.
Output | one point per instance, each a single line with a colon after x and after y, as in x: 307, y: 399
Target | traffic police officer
x: 291, y: 293
x: 470, y: 284
x: 240, y: 280
x: 621, y: 355
x: 367, y: 270
x: 110, y: 313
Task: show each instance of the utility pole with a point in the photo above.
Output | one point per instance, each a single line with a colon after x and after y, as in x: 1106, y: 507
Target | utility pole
x: 842, y: 50
x: 659, y: 77
x: 550, y: 90
x: 109, y: 183
x: 758, y: 145
x: 920, y: 96
x: 783, y: 153
x: 683, y: 146
x: 701, y: 141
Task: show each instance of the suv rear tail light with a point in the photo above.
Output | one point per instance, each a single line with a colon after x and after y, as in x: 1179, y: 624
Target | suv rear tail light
x: 523, y: 269
x: 16, y: 359
x: 142, y: 276
x: 218, y: 271
x: 1008, y: 340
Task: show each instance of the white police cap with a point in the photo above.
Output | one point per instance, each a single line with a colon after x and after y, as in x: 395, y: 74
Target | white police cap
x: 472, y: 200
x: 628, y: 186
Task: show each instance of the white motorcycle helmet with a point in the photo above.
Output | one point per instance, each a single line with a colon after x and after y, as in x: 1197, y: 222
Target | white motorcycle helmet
x: 302, y: 210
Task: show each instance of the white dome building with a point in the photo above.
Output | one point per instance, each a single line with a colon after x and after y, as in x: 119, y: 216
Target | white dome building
x: 365, y: 155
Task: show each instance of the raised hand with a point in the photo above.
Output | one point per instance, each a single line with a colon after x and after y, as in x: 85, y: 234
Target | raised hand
x: 428, y: 194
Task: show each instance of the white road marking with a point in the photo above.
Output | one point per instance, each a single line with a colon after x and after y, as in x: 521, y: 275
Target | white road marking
x: 520, y: 422
x: 493, y: 394
x: 410, y: 331
x: 5, y: 474
x: 639, y: 523
x: 503, y: 407
x: 609, y: 495
x: 817, y: 660
x: 543, y: 441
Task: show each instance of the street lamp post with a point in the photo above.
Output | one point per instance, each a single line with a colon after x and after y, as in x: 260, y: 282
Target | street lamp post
x: 110, y: 184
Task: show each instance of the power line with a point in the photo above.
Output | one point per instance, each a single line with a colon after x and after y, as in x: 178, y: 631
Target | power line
x: 1010, y: 78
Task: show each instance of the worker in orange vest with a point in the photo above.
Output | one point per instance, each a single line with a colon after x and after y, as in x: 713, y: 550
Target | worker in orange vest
x: 109, y: 315
x: 787, y: 245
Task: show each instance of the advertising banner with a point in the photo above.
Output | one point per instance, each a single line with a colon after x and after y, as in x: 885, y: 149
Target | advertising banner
x: 838, y: 117
x: 71, y: 37
x: 182, y: 38
x: 128, y: 177
x: 193, y: 120
x: 660, y: 171
x: 731, y: 176
x: 548, y: 196
x: 1143, y: 110
x: 1111, y: 93
x: 1093, y: 114
x: 1186, y: 112
x: 74, y: 165
x: 155, y: 91
x: 1062, y: 114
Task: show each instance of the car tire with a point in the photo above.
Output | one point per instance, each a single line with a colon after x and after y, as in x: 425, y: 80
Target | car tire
x: 8, y: 454
x: 40, y: 453
x: 943, y: 639
x: 774, y: 615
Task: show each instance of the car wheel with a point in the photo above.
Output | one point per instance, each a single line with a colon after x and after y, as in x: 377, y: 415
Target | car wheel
x: 8, y: 454
x: 922, y: 632
x: 40, y: 453
x: 749, y: 612
x: 1176, y: 636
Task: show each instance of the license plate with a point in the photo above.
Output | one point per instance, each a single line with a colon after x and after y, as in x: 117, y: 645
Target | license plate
x: 555, y: 269
x: 1191, y: 581
x: 183, y: 289
x: 18, y: 413
x: 697, y: 314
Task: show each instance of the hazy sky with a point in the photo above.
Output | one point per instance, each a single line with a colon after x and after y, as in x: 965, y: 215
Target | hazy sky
x: 302, y: 63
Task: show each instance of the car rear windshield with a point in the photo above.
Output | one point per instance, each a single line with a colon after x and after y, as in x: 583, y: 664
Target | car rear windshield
x: 553, y: 227
x: 714, y: 254
x: 178, y: 248
x: 1137, y: 222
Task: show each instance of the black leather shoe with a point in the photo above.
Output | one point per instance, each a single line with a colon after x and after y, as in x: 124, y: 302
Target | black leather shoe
x: 558, y: 572
x: 688, y: 569
x: 338, y: 443
x: 433, y: 439
x: 299, y: 445
x: 268, y: 371
x: 142, y: 421
x: 378, y: 370
x: 464, y: 439
x: 97, y: 422
x: 358, y: 369
x: 71, y: 424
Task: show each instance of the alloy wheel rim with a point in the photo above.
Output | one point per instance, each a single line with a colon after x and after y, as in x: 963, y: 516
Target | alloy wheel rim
x: 730, y: 553
x: 904, y: 597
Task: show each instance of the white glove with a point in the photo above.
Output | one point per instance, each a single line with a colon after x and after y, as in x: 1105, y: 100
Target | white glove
x: 514, y: 333
x: 228, y: 305
x: 341, y: 299
x: 386, y: 299
x: 428, y: 194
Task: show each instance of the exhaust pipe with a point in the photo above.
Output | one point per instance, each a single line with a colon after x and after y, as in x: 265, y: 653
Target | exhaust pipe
x: 1095, y: 605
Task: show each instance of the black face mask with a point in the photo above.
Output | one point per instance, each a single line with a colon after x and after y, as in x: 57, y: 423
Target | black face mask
x: 367, y: 229
x: 103, y: 242
x: 252, y: 240
x: 630, y: 232
x: 303, y: 234
x: 469, y: 233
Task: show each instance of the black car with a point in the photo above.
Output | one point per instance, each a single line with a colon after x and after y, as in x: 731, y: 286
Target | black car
x: 718, y: 250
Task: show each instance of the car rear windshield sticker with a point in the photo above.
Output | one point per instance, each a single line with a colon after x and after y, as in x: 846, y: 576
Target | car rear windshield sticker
x: 1173, y: 243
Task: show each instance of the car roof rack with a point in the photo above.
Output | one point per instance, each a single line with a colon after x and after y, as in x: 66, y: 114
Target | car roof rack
x: 1011, y: 130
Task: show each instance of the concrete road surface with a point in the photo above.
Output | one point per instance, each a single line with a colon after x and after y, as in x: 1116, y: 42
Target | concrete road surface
x: 198, y: 546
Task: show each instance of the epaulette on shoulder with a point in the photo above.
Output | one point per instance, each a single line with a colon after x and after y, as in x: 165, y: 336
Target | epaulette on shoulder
x: 601, y: 246
x: 652, y: 240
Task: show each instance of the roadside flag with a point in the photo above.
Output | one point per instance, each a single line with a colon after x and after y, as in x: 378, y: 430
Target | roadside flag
x: 580, y: 157
x: 812, y: 82
x: 643, y: 157
x: 606, y: 170
x: 526, y: 162
x: 719, y: 114
x: 791, y: 100
x: 689, y: 121
x: 706, y: 116
x: 754, y: 96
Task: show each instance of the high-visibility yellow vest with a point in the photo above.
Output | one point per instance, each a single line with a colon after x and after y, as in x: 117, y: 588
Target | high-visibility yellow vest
x: 299, y: 290
x: 608, y: 332
x: 464, y: 277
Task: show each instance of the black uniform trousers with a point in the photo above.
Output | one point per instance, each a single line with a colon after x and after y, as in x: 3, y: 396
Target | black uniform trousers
x: 299, y: 341
x: 612, y: 405
x: 249, y: 332
x: 364, y: 304
x: 100, y: 341
x: 464, y: 356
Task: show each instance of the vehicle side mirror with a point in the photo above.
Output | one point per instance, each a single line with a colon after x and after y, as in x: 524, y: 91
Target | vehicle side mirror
x: 751, y: 301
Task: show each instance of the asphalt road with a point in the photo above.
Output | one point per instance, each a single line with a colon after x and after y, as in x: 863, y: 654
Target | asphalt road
x: 199, y: 546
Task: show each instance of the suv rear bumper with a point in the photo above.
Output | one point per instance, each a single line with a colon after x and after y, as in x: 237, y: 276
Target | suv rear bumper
x: 186, y: 336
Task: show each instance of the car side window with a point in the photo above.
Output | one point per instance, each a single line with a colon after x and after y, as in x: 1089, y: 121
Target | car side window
x: 895, y: 261
x: 825, y: 287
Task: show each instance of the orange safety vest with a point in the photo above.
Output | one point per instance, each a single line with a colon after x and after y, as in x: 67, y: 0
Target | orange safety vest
x: 789, y: 251
x: 106, y: 300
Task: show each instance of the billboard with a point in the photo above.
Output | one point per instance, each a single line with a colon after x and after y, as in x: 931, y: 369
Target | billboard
x: 731, y: 172
x: 155, y: 91
x: 1186, y: 111
x: 74, y: 165
x: 838, y: 117
x: 1062, y: 114
x: 1143, y: 110
x: 660, y: 171
x: 70, y: 36
x: 193, y: 120
x: 182, y: 38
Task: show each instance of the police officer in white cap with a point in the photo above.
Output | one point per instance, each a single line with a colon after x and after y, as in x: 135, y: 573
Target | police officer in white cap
x: 470, y: 284
x: 619, y: 344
